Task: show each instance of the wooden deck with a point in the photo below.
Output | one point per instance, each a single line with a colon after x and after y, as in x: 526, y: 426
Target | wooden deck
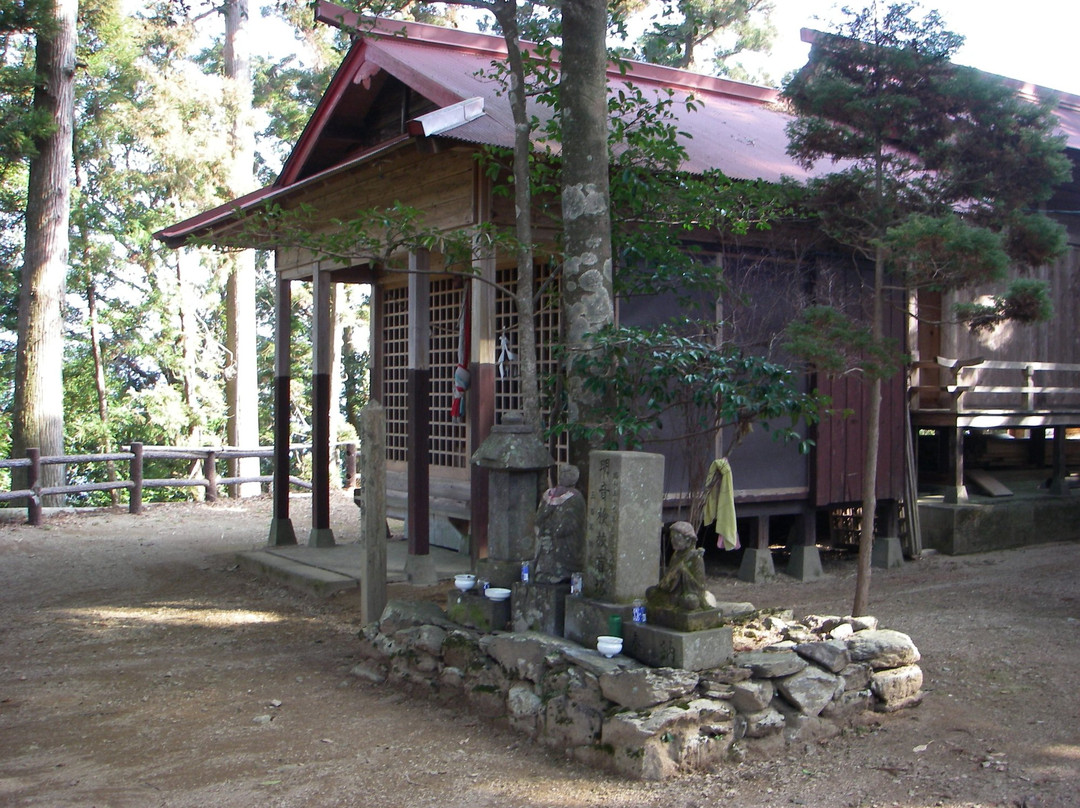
x: 960, y: 395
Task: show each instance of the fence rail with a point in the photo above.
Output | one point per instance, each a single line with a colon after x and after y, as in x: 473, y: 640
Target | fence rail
x: 977, y: 385
x: 136, y: 457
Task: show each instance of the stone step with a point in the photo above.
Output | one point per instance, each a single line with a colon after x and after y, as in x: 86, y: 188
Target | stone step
x: 313, y: 580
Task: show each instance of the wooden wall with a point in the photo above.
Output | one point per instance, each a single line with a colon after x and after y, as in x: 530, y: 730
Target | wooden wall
x: 841, y: 441
x: 444, y: 186
x: 1055, y: 341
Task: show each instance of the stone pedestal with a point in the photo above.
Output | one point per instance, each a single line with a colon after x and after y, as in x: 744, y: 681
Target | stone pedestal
x: 757, y: 565
x: 499, y: 572
x: 321, y: 537
x: 473, y: 610
x: 420, y: 570
x: 282, y: 533
x: 539, y: 607
x: 663, y: 647
x: 805, y: 563
x: 622, y: 542
x: 683, y: 620
x: 886, y: 553
x: 586, y: 619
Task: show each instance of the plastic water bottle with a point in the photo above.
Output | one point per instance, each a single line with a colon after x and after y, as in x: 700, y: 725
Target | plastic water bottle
x: 524, y: 572
x: 575, y: 584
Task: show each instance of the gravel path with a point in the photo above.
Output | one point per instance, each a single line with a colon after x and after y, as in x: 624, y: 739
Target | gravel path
x: 140, y: 667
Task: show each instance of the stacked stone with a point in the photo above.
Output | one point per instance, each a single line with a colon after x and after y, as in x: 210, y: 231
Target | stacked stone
x: 646, y: 722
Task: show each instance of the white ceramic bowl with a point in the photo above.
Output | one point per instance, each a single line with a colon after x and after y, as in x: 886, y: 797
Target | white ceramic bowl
x: 464, y: 582
x: 497, y: 593
x: 608, y: 646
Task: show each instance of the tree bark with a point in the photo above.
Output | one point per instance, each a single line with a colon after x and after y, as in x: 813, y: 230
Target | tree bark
x: 38, y: 412
x: 506, y: 15
x: 870, y: 464
x: 588, y: 304
x: 99, y: 383
x: 241, y: 380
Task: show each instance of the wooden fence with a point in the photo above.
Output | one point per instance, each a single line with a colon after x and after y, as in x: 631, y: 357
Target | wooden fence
x: 205, y: 459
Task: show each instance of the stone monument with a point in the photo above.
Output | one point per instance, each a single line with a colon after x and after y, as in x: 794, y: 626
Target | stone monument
x: 682, y: 600
x: 517, y: 460
x: 683, y: 620
x: 540, y: 603
x: 622, y: 537
x: 560, y: 530
x: 622, y: 541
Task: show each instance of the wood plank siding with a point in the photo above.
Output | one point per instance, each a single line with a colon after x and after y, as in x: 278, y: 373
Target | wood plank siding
x: 443, y: 186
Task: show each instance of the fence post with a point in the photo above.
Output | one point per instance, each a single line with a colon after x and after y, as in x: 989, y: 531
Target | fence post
x: 210, y: 473
x: 135, y: 500
x: 373, y: 510
x: 350, y: 466
x: 33, y: 475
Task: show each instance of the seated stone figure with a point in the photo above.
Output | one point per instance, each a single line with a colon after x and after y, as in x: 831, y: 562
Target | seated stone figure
x: 683, y: 586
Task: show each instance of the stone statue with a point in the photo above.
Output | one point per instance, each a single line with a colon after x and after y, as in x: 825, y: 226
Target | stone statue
x: 683, y: 586
x: 560, y: 530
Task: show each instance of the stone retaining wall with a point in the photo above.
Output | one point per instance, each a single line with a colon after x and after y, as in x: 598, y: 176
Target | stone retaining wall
x: 810, y: 678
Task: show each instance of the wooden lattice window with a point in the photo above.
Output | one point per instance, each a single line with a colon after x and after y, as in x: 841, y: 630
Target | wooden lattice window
x: 395, y: 340
x: 507, y: 384
x: 448, y: 445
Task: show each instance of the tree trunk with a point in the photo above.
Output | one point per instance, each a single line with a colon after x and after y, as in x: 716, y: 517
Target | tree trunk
x: 870, y: 464
x: 38, y: 411
x: 506, y: 15
x: 241, y: 380
x: 99, y: 383
x: 587, y: 294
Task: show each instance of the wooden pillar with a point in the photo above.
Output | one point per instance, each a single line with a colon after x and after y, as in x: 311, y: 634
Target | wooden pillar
x: 419, y: 568
x: 321, y: 334
x: 1037, y: 447
x: 281, y: 527
x: 1059, y: 483
x: 957, y: 492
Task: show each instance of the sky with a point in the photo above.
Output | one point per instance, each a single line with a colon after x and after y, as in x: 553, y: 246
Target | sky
x: 1038, y: 45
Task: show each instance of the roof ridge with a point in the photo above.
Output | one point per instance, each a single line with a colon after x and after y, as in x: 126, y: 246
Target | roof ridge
x: 428, y: 34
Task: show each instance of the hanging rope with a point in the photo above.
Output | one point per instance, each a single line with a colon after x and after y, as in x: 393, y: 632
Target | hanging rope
x: 461, y: 372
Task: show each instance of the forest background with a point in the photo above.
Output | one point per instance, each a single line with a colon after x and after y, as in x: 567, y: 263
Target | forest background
x: 176, y: 112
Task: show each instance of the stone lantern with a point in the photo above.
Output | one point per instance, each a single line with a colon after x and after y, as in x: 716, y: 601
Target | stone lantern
x: 517, y: 460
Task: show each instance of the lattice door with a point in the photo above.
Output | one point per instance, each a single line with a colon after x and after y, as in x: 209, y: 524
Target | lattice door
x: 448, y: 445
x: 395, y: 341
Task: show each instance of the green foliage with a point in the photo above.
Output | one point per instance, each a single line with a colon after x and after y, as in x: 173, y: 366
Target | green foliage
x: 946, y: 252
x: 682, y: 374
x: 684, y: 28
x: 20, y: 124
x: 831, y: 342
x: 938, y: 165
x: 1027, y: 300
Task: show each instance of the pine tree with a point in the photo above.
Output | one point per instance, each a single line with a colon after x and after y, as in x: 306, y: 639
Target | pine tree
x: 941, y: 166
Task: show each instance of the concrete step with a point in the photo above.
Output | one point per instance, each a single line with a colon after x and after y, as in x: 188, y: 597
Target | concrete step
x: 305, y: 577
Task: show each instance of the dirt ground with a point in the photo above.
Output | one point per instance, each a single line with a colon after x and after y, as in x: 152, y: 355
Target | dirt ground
x: 140, y: 667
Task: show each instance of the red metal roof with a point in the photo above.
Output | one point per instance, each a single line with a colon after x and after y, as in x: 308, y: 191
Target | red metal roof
x: 737, y: 128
